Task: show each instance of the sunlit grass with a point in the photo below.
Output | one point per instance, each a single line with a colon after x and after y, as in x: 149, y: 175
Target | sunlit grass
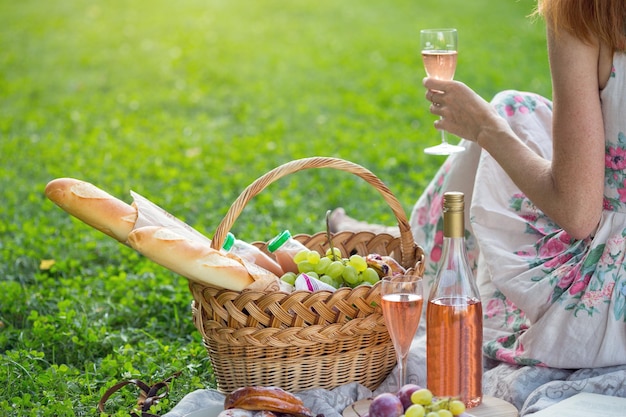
x: 187, y: 102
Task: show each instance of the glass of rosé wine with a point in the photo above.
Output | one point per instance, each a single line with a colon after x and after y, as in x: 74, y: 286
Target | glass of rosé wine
x: 402, y: 299
x: 439, y: 54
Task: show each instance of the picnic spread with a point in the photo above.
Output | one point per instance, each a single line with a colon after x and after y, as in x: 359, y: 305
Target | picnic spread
x: 328, y: 348
x: 529, y: 388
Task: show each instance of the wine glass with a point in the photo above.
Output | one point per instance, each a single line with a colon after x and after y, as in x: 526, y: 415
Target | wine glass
x: 439, y: 53
x: 402, y: 299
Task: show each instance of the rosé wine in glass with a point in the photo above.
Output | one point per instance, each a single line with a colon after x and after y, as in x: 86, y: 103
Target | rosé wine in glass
x: 402, y: 300
x: 440, y: 64
x: 439, y: 54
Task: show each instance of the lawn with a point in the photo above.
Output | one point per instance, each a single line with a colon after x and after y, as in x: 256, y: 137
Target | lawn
x: 186, y: 103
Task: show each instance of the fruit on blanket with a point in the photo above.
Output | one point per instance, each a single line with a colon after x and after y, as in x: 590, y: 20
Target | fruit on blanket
x: 415, y: 401
x: 405, y: 393
x: 386, y: 405
x: 422, y: 396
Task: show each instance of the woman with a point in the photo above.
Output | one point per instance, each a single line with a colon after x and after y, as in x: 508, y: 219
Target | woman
x: 548, y: 196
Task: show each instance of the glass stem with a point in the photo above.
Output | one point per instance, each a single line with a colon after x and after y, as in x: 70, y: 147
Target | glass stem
x: 443, y: 135
x: 402, y: 362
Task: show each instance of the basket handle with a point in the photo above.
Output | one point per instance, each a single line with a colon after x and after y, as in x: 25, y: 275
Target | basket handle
x: 408, y: 247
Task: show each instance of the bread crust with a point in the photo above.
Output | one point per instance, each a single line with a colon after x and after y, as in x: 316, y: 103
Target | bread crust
x: 194, y: 260
x: 272, y: 399
x: 93, y: 206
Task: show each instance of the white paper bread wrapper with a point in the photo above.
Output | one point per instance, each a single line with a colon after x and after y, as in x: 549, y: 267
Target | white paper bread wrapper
x: 158, y: 235
x: 149, y: 214
x: 197, y: 261
x: 172, y: 243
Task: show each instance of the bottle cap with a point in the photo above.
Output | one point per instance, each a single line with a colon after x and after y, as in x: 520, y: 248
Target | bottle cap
x: 453, y: 201
x: 453, y: 214
x: 229, y: 241
x: 278, y: 241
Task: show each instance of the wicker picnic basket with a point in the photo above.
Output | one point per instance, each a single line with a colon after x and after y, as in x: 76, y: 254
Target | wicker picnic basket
x: 303, y: 339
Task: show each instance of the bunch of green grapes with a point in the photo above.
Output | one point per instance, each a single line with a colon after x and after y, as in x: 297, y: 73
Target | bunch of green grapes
x: 333, y: 269
x: 425, y: 405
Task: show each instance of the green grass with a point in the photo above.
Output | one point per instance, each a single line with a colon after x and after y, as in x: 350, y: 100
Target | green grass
x: 187, y: 102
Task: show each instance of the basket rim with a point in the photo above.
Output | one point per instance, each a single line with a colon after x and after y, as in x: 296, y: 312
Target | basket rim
x: 410, y: 251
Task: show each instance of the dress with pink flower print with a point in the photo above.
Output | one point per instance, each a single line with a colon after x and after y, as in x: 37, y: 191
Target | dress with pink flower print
x: 548, y: 299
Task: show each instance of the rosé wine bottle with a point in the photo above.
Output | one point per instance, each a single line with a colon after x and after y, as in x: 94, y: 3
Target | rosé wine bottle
x: 454, y: 326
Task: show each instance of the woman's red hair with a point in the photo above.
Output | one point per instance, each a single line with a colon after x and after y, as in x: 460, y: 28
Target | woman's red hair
x: 588, y: 19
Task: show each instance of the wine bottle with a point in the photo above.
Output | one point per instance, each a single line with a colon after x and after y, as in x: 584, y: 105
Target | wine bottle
x: 454, y: 328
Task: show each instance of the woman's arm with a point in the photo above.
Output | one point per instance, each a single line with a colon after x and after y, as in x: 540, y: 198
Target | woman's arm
x: 569, y: 188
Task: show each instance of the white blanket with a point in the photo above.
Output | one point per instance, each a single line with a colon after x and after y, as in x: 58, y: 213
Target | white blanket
x: 528, y: 388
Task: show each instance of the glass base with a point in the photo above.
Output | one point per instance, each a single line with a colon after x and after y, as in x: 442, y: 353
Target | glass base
x: 444, y: 149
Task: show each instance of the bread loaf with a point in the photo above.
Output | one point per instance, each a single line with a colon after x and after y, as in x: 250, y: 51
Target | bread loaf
x: 93, y: 206
x: 272, y: 399
x: 194, y: 260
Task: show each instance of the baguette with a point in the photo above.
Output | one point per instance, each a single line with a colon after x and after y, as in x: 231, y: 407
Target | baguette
x: 193, y: 260
x: 93, y: 206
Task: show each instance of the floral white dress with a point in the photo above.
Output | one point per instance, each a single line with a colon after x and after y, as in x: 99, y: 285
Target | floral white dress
x: 548, y: 299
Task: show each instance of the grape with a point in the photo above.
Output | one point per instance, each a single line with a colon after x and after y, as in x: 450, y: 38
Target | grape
x: 370, y: 276
x: 420, y: 402
x: 327, y: 279
x: 386, y: 405
x: 289, y: 278
x: 301, y: 256
x: 350, y: 276
x: 350, y: 271
x: 404, y: 393
x: 335, y: 251
x: 358, y: 262
x: 305, y: 266
x: 335, y: 269
x: 322, y: 265
x: 422, y: 396
x: 415, y: 410
x: 313, y: 257
x: 456, y: 407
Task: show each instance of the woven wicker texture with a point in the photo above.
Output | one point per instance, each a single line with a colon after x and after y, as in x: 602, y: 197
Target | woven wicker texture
x: 303, y: 340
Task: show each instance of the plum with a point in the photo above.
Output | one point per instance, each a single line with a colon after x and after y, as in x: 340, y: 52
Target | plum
x: 404, y: 393
x: 386, y: 405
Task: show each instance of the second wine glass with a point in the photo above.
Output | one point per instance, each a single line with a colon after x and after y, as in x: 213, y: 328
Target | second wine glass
x: 402, y: 300
x: 439, y: 54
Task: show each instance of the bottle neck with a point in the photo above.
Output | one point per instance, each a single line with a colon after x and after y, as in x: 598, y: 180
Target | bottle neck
x: 453, y: 224
x: 453, y: 254
x: 455, y: 278
x: 454, y: 248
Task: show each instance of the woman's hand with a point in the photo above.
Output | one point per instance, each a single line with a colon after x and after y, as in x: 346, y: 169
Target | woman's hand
x: 463, y: 112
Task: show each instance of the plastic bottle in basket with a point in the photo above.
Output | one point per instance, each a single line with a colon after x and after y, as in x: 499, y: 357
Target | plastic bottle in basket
x: 284, y: 247
x: 251, y: 253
